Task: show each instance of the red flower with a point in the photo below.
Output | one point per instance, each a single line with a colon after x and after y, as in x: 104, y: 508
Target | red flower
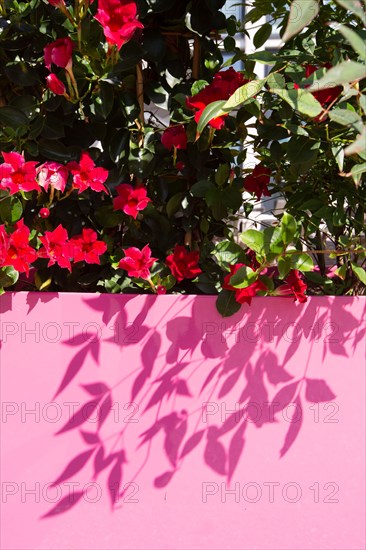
x: 131, y: 201
x: 258, y: 181
x: 183, y: 264
x: 324, y: 96
x: 242, y: 295
x: 57, y: 3
x: 18, y: 175
x: 294, y: 286
x: 174, y: 136
x: 55, y: 85
x: 56, y: 247
x: 52, y: 174
x: 137, y: 262
x: 4, y: 243
x: 15, y: 248
x: 224, y: 84
x: 118, y: 19
x: 86, y: 247
x: 86, y: 174
x: 59, y: 53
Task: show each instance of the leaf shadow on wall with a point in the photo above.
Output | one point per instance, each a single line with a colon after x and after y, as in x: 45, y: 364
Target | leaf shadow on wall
x: 191, y: 362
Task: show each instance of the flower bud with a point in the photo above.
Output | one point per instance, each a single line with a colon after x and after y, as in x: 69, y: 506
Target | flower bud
x: 44, y: 213
x: 55, y: 85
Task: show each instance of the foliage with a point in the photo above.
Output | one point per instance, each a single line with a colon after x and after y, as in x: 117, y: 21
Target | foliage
x: 117, y: 199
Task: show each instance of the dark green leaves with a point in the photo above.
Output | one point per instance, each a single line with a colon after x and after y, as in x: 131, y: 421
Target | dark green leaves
x: 8, y: 277
x: 226, y: 303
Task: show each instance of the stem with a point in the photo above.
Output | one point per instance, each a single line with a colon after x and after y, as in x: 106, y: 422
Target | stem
x: 140, y: 92
x: 79, y: 36
x: 320, y: 256
x: 151, y: 284
x: 196, y: 58
x: 68, y: 15
x: 70, y: 72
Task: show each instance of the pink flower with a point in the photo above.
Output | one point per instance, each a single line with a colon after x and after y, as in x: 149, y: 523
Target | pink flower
x: 86, y: 174
x: 118, y: 19
x: 15, y: 249
x: 174, y: 136
x: 137, y: 262
x: 56, y: 247
x: 55, y: 85
x: 59, y: 53
x: 131, y: 201
x: 330, y: 271
x: 243, y: 295
x: 160, y: 289
x: 224, y: 84
x: 183, y: 264
x: 258, y: 181
x: 18, y: 175
x: 86, y: 247
x: 52, y: 174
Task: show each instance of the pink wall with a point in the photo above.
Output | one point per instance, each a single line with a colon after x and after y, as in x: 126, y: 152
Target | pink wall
x: 144, y: 422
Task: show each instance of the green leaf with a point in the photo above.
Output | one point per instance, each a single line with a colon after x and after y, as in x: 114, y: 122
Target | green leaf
x: 355, y: 7
x: 353, y: 38
x: 226, y: 304
x: 119, y: 145
x: 302, y: 150
x: 359, y: 272
x: 284, y: 265
x: 265, y: 57
x: 273, y: 245
x: 212, y: 110
x: 8, y: 276
x: 262, y: 35
x: 302, y: 262
x: 244, y: 277
x: 197, y: 86
x: 200, y: 188
x: 346, y: 118
x: 276, y: 81
x: 107, y: 217
x: 358, y: 146
x: 243, y: 94
x: 54, y: 150
x: 357, y: 170
x: 302, y: 13
x: 342, y: 272
x: 254, y: 240
x: 105, y: 99
x: 300, y: 100
x: 174, y: 203
x: 228, y: 253
x: 288, y: 228
x: 343, y: 73
x: 222, y: 174
x: 338, y: 153
x: 13, y: 117
x: 11, y: 209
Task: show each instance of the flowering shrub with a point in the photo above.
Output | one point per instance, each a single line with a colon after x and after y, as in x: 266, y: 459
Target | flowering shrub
x: 100, y: 193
